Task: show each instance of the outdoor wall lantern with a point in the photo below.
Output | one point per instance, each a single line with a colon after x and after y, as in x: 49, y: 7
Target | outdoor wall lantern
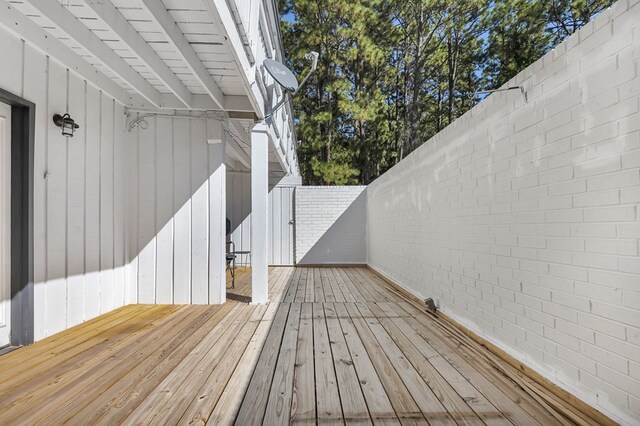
x: 67, y: 124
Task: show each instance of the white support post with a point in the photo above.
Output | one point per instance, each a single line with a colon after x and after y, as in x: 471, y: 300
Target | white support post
x: 217, y: 212
x: 259, y: 214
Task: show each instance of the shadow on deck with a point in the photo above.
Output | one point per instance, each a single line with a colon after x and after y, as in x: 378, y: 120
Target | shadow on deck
x: 335, y: 345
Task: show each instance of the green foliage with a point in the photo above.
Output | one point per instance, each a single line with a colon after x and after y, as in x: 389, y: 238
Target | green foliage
x: 517, y: 37
x: 392, y: 73
x: 567, y: 16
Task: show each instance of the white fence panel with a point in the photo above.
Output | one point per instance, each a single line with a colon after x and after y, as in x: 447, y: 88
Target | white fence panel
x: 281, y: 226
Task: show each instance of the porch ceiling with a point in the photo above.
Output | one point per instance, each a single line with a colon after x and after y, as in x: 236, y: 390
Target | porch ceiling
x: 168, y: 53
x: 335, y: 345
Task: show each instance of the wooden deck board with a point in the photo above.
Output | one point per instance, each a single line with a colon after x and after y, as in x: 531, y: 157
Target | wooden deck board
x: 228, y: 404
x: 334, y: 345
x: 139, y: 383
x: 61, y: 404
x: 36, y: 359
x: 303, y: 404
x: 328, y: 409
x: 171, y: 398
x: 354, y: 406
x: 281, y: 394
x: 211, y: 386
x: 379, y: 405
x: 400, y: 396
x: 255, y: 399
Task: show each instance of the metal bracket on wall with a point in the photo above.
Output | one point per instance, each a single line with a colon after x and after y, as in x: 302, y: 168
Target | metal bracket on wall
x: 488, y: 92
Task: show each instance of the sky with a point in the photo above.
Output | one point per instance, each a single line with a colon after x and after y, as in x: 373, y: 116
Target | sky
x: 289, y: 17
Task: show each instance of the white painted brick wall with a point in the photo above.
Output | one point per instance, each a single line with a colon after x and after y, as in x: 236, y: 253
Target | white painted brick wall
x: 522, y: 218
x: 330, y: 224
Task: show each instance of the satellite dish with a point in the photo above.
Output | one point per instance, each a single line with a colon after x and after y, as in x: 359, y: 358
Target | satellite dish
x: 281, y: 74
x: 285, y: 78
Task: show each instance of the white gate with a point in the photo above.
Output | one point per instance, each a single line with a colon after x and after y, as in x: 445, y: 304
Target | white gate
x: 281, y: 225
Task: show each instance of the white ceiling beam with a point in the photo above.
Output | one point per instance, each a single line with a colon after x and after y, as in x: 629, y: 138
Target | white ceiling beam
x: 240, y: 130
x: 20, y: 25
x: 119, y: 25
x: 198, y: 102
x: 282, y: 161
x: 219, y: 10
x: 237, y: 103
x: 235, y: 151
x: 177, y: 39
x: 268, y: 39
x: 233, y: 146
x: 221, y: 15
x: 232, y: 165
x: 68, y: 23
x: 254, y: 30
x: 238, y: 153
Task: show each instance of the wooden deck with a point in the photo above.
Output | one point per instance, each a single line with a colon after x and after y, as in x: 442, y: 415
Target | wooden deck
x: 335, y: 345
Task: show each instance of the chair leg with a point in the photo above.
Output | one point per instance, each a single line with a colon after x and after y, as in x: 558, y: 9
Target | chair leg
x: 233, y: 273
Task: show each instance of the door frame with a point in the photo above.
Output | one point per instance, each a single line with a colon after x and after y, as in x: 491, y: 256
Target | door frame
x: 23, y: 115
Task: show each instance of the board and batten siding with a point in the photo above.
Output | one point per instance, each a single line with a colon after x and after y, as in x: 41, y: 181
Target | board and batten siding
x: 521, y: 218
x: 120, y: 217
x: 172, y: 202
x: 170, y: 206
x: 239, y: 212
x: 281, y: 225
x: 79, y: 215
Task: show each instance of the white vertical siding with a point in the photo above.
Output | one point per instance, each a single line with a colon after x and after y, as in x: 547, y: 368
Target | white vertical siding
x: 107, y: 283
x: 56, y: 192
x: 74, y: 216
x: 164, y: 211
x: 239, y: 212
x: 12, y: 53
x: 217, y: 215
x: 199, y: 212
x: 146, y: 144
x: 281, y: 230
x: 36, y: 91
x: 182, y: 209
x: 132, y: 212
x: 172, y: 209
x: 76, y: 205
x: 92, y: 203
x: 119, y: 219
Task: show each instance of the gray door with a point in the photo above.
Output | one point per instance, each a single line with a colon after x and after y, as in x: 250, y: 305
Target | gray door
x: 5, y: 224
x: 281, y: 226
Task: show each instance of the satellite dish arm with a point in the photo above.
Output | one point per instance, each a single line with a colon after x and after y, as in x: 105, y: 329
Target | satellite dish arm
x: 311, y: 56
x: 277, y: 106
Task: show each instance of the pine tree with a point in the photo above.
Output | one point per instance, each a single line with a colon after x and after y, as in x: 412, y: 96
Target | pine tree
x: 566, y: 16
x: 393, y: 73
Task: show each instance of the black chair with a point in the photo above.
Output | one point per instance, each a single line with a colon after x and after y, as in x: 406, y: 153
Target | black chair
x: 231, y: 257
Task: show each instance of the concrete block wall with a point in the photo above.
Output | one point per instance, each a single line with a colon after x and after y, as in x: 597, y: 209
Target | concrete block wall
x: 522, y: 218
x: 330, y: 224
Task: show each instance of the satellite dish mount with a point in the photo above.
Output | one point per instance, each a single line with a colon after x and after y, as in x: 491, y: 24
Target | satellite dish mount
x: 285, y: 78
